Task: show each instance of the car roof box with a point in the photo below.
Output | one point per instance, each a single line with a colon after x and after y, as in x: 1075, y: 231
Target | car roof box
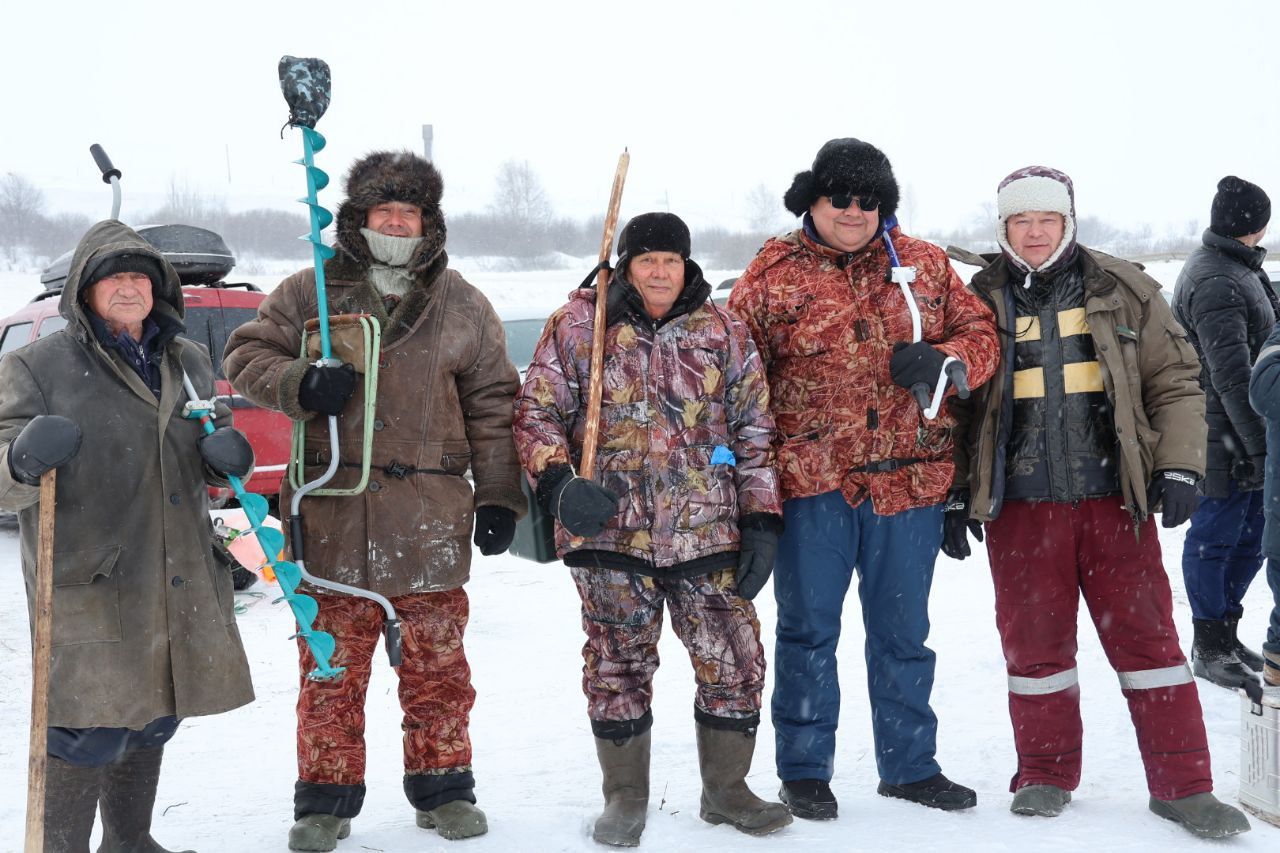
x: 199, y: 256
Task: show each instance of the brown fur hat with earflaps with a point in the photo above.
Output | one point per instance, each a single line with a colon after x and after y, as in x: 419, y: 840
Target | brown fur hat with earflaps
x: 383, y: 176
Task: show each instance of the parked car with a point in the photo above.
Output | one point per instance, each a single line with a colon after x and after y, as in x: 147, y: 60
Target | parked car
x: 720, y: 295
x: 214, y: 308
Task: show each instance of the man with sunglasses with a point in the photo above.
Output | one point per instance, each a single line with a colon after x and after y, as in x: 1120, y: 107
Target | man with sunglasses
x: 863, y: 472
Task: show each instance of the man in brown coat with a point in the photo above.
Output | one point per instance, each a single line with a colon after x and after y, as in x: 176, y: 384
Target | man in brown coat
x: 443, y: 405
x: 144, y: 629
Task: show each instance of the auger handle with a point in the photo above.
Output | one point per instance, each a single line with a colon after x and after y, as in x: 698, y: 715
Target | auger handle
x: 392, y: 631
x: 104, y: 163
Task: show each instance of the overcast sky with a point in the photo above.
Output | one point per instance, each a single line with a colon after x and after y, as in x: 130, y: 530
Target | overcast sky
x: 1145, y: 104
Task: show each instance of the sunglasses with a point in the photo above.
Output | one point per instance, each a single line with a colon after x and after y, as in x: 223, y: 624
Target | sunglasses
x: 843, y: 201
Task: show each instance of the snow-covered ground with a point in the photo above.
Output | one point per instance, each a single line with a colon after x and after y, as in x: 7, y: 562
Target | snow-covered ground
x: 228, y: 780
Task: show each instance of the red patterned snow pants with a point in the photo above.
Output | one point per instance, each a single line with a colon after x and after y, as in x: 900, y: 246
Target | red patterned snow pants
x: 435, y: 687
x: 622, y: 615
x: 1043, y: 557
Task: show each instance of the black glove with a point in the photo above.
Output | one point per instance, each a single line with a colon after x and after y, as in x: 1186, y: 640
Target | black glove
x: 1249, y: 473
x: 1177, y: 491
x: 956, y: 525
x: 755, y: 559
x: 326, y: 389
x: 47, y: 441
x: 495, y: 528
x: 227, y: 452
x: 916, y: 363
x: 583, y: 507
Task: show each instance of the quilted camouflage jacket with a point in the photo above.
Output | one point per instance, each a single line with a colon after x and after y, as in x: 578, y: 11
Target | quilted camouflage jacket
x: 674, y: 396
x: 825, y: 324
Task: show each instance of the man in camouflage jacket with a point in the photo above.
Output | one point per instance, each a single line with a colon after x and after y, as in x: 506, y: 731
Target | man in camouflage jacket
x: 686, y: 513
x: 863, y: 472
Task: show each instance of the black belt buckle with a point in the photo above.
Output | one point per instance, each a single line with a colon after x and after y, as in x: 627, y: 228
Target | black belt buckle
x: 397, y: 470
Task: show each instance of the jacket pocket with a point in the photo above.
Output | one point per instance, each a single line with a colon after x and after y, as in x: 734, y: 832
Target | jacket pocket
x: 625, y: 474
x: 86, y: 597
x: 703, y: 494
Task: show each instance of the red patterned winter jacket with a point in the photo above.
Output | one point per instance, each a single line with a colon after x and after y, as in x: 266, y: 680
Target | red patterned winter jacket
x: 671, y: 398
x: 825, y: 324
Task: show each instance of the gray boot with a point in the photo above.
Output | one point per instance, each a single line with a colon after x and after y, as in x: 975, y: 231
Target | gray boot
x: 724, y: 756
x: 318, y: 832
x: 1203, y: 815
x: 70, y: 801
x: 625, y: 767
x: 127, y: 800
x: 455, y: 819
x: 1040, y: 800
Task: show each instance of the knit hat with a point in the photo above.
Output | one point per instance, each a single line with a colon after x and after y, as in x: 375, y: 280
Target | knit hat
x: 385, y: 176
x: 1239, y: 208
x: 654, y: 232
x: 1036, y: 188
x: 125, y: 262
x: 845, y: 165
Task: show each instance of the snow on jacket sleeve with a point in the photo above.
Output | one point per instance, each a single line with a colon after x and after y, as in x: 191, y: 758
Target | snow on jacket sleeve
x: 1219, y: 316
x: 485, y: 392
x: 1171, y: 393
x: 546, y: 406
x: 750, y: 425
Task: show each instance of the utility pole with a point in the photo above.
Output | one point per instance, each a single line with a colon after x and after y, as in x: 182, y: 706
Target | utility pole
x: 427, y: 134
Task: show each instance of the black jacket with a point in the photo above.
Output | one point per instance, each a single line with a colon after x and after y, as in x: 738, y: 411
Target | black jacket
x: 1228, y: 308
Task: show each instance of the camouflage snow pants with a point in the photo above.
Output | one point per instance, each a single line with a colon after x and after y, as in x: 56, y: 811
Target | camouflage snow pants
x: 622, y: 616
x: 435, y: 687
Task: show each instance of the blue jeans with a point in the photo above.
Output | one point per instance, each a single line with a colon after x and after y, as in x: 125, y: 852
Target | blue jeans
x: 825, y: 542
x: 100, y: 746
x: 1222, y: 553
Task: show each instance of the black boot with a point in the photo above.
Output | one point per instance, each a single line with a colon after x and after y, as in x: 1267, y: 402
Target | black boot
x: 1213, y: 657
x: 810, y: 799
x: 127, y: 800
x: 936, y: 792
x: 1247, y: 656
x: 70, y: 800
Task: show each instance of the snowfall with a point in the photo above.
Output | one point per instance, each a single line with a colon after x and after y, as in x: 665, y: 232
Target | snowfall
x: 228, y: 780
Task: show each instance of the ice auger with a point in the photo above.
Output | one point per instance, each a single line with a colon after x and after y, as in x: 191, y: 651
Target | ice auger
x: 305, y: 85
x: 953, y: 369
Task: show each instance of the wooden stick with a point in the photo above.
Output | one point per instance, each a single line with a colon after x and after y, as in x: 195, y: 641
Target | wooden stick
x: 41, y: 648
x: 595, y: 386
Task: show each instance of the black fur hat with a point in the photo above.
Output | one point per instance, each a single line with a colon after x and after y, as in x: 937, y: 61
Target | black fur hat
x: 384, y: 176
x: 654, y: 232
x: 1239, y: 208
x: 845, y: 165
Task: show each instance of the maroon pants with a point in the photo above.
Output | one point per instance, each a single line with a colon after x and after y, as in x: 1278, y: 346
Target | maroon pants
x: 622, y: 615
x: 435, y: 687
x: 1043, y: 556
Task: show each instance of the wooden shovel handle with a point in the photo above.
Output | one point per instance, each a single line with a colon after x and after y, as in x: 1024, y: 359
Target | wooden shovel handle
x: 41, y: 647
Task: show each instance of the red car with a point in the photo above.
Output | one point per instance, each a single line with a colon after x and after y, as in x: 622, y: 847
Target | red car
x: 214, y: 308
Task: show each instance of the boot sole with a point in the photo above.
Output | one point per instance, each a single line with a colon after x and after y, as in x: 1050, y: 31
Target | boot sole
x: 767, y: 829
x: 344, y: 831
x: 1162, y: 810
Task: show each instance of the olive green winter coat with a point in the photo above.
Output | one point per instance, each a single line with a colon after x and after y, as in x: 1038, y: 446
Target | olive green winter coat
x: 143, y: 617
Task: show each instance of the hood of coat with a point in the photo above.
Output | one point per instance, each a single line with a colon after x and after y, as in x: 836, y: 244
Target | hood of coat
x: 108, y: 239
x: 625, y: 301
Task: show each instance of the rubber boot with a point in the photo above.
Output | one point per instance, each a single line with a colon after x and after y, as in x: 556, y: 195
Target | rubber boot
x: 318, y: 832
x: 1040, y: 800
x: 454, y: 820
x: 70, y: 801
x: 724, y: 756
x: 1203, y: 815
x: 624, y: 764
x: 1247, y: 656
x: 1213, y: 657
x: 127, y: 800
x: 1271, y: 669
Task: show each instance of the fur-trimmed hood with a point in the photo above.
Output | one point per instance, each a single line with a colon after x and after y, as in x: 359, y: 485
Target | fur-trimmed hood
x: 384, y: 176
